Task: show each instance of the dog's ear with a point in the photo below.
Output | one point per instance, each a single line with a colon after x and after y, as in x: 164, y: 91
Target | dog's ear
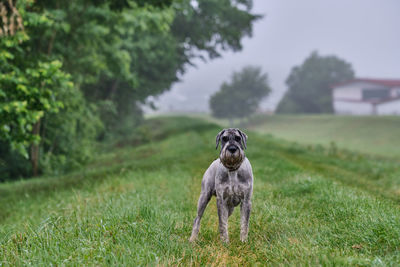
x: 218, y: 138
x: 244, y: 138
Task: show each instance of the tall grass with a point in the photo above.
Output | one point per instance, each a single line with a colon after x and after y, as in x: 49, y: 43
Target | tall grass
x: 136, y: 203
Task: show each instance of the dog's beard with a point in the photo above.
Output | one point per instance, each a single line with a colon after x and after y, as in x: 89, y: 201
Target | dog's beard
x: 231, y: 161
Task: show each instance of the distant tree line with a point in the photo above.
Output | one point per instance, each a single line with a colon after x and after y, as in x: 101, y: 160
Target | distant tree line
x: 309, y: 89
x: 309, y: 85
x: 73, y: 72
x: 241, y: 97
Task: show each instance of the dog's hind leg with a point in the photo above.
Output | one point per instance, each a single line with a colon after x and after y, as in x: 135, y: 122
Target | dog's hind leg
x: 201, y: 206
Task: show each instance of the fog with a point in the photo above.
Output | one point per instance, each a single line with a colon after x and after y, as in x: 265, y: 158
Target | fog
x: 363, y: 32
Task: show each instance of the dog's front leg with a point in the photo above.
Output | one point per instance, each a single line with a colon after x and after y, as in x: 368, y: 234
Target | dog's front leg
x: 223, y: 214
x: 245, y: 209
x: 201, y: 206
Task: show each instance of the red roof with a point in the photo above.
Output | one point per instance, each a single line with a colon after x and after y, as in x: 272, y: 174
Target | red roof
x: 383, y: 82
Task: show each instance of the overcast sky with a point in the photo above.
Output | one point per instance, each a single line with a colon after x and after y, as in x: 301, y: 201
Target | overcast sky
x: 365, y: 33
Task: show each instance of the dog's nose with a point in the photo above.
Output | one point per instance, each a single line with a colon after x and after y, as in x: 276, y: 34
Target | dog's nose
x: 232, y: 148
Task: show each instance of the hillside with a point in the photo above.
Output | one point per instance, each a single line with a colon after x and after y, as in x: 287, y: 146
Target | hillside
x: 136, y: 203
x: 371, y: 134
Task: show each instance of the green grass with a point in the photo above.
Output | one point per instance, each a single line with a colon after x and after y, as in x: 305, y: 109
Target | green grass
x: 136, y: 203
x: 370, y: 134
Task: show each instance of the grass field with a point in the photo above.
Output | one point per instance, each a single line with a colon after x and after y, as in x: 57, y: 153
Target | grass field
x: 371, y: 134
x: 136, y: 203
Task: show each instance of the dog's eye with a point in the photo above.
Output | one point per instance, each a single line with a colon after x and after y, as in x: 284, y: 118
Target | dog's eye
x: 237, y: 138
x: 224, y: 139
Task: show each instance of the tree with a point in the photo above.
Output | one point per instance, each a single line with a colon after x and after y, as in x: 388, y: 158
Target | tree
x: 34, y: 87
x: 309, y: 88
x: 29, y: 88
x: 73, y: 70
x: 242, y: 96
x: 160, y: 54
x: 50, y: 50
x: 211, y: 26
x: 119, y: 52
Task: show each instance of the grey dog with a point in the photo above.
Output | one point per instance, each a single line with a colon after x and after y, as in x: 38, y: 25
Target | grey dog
x: 230, y: 179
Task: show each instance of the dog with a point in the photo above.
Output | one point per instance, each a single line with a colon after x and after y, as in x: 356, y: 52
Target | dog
x: 230, y: 179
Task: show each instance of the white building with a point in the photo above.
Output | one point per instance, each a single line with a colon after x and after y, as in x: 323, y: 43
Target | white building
x: 367, y: 97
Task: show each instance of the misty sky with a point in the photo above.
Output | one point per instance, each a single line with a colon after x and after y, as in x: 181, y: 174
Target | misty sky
x: 363, y: 32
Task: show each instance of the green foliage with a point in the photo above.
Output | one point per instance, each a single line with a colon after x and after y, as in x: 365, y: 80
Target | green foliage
x: 74, y: 71
x: 69, y: 136
x: 242, y: 96
x: 135, y: 205
x: 309, y: 88
x: 27, y: 93
x: 159, y: 54
x: 145, y: 52
x: 212, y: 25
x: 12, y: 163
x: 35, y: 94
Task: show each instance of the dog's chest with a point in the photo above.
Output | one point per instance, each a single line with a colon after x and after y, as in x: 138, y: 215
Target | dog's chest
x: 231, y: 186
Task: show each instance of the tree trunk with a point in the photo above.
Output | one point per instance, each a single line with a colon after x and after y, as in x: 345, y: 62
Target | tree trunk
x: 113, y: 89
x: 35, y: 150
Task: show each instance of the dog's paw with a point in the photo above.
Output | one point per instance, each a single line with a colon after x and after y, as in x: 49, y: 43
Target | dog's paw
x: 192, y: 239
x: 243, y: 238
x: 225, y: 240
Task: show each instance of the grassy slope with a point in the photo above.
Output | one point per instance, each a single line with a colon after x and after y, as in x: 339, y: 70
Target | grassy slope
x: 377, y: 135
x: 135, y: 206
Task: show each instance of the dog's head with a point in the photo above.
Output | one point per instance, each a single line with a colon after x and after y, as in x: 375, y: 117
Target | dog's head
x: 233, y: 143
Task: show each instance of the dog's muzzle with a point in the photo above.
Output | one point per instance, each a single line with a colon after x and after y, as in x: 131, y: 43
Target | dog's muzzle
x: 231, y: 157
x: 232, y: 148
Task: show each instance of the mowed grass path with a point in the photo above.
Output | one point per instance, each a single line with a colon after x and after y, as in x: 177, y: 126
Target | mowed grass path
x: 369, y: 134
x: 135, y: 206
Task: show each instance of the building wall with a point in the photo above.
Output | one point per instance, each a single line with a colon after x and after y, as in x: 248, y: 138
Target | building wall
x: 389, y: 108
x: 348, y: 99
x: 352, y: 108
x: 352, y: 91
x: 395, y: 92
